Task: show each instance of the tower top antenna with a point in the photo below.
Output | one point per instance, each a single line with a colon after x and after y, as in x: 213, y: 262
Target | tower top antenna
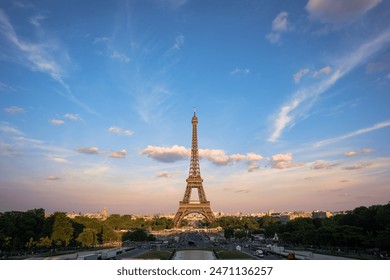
x: 194, y: 111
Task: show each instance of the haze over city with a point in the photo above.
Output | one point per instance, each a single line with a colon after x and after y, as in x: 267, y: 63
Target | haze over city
x: 97, y: 97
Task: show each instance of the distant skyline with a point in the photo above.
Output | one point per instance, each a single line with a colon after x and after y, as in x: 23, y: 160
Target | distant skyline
x: 97, y: 97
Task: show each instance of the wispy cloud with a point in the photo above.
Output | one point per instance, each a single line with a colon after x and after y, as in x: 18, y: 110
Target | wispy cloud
x: 179, y: 42
x: 20, y: 144
x: 279, y: 26
x: 339, y: 12
x: 176, y: 4
x: 315, y: 74
x: 52, y: 178
x: 120, y: 131
x: 7, y: 128
x: 120, y: 56
x: 166, y: 174
x: 21, y: 5
x: 97, y: 170
x: 303, y: 99
x: 88, y: 150
x: 119, y: 154
x: 152, y: 102
x: 5, y: 87
x: 352, y: 134
x: 57, y: 122
x: 358, y: 166
x: 73, y: 117
x: 322, y: 165
x: 14, y: 110
x: 355, y: 153
x: 40, y: 57
x: 58, y: 159
x: 323, y: 71
x: 176, y: 46
x: 36, y: 20
x: 299, y: 75
x: 101, y: 40
x: 351, y: 153
x: 240, y: 71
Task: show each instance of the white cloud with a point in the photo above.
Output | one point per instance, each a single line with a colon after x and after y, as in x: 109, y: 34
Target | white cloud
x: 122, y: 57
x: 339, y: 12
x: 273, y: 37
x: 279, y: 25
x: 217, y: 157
x: 73, y: 117
x: 352, y: 134
x: 282, y: 161
x: 88, y: 150
x: 36, y: 20
x: 351, y: 153
x: 57, y: 122
x: 163, y: 174
x: 284, y: 118
x: 252, y: 166
x: 239, y: 71
x: 358, y: 166
x: 57, y: 159
x: 101, y: 40
x: 179, y: 42
x: 322, y: 165
x: 303, y: 72
x: 166, y: 174
x: 323, y: 71
x: 120, y: 131
x: 13, y: 110
x: 304, y: 98
x: 119, y: 154
x: 354, y: 153
x: 253, y: 157
x: 280, y: 22
x: 52, y: 178
x: 299, y: 75
x: 166, y: 154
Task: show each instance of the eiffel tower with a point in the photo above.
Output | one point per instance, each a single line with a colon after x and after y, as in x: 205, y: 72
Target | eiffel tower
x: 194, y: 181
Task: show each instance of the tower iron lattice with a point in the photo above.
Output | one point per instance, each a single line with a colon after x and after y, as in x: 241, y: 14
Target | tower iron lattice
x: 194, y: 181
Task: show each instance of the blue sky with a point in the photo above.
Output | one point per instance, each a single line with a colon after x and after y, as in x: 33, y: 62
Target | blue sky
x: 97, y: 98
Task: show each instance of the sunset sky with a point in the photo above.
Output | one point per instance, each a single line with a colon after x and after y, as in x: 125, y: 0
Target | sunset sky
x: 96, y: 101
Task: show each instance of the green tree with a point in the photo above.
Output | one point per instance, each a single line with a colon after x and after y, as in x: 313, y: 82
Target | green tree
x: 62, y: 230
x: 228, y: 233
x: 44, y: 242
x: 87, y: 238
x: 138, y: 235
x: 161, y: 223
x: 19, y: 230
x: 108, y: 235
